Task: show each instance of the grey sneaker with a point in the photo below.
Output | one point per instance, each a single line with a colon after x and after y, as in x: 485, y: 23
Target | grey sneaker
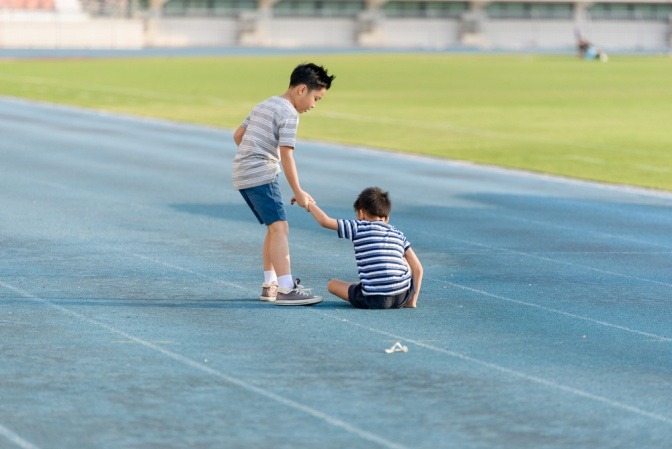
x: 297, y: 296
x: 268, y: 292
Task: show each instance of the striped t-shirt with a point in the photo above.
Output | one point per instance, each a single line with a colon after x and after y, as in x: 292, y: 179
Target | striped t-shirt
x: 269, y: 126
x: 379, y: 252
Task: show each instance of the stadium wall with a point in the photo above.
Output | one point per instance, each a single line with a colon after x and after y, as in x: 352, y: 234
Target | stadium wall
x: 57, y: 34
x: 612, y: 36
x: 428, y: 33
x: 54, y: 29
x: 189, y: 32
x: 432, y: 34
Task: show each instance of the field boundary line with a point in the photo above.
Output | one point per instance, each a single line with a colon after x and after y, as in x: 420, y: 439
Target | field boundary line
x: 444, y: 126
x: 560, y: 312
x: 186, y: 270
x: 464, y: 287
x: 586, y: 231
x: 562, y: 262
x: 455, y: 163
x: 509, y: 371
x: 16, y: 439
x: 363, y: 434
x: 125, y: 91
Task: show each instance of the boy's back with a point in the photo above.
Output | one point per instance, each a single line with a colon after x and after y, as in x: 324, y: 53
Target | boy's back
x: 379, y: 253
x: 271, y: 124
x: 389, y: 271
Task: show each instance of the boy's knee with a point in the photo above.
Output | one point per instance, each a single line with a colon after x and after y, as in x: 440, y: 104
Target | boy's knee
x: 279, y: 227
x: 338, y: 288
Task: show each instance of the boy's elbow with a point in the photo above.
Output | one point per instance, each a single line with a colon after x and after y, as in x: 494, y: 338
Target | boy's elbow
x: 325, y: 223
x: 238, y: 135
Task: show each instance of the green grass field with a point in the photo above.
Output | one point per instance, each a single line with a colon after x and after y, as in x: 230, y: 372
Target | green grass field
x: 553, y: 114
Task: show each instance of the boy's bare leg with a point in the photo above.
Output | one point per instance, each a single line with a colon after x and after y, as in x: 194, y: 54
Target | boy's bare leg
x: 268, y: 265
x: 278, y: 248
x: 339, y: 288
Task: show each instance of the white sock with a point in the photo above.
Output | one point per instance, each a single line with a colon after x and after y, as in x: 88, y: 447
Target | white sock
x: 270, y: 277
x: 286, y: 281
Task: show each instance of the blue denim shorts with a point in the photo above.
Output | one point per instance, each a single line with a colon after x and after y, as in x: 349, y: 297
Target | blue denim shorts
x: 266, y: 202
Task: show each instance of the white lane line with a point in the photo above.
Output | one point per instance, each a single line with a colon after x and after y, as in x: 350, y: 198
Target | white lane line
x: 653, y: 168
x: 560, y: 312
x: 460, y: 286
x: 42, y: 82
x: 186, y: 270
x: 371, y: 437
x: 454, y: 163
x: 459, y: 129
x: 654, y: 337
x: 538, y: 380
x: 569, y: 253
x: 561, y: 262
x: 117, y: 90
x: 499, y: 216
x: 511, y: 372
x: 16, y: 439
x: 441, y: 280
x: 584, y: 159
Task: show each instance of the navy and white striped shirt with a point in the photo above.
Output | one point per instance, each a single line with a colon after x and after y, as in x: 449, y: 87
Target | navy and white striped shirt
x: 379, y: 252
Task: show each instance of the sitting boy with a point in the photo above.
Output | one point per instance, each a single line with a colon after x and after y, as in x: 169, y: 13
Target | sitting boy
x: 390, y: 273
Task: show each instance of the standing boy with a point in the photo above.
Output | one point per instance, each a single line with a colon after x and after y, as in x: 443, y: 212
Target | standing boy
x: 390, y: 273
x: 266, y: 140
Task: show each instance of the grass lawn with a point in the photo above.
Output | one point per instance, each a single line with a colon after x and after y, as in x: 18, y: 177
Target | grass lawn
x: 553, y: 114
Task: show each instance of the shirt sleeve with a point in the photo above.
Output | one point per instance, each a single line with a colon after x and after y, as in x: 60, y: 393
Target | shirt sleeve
x: 347, y: 229
x: 287, y: 132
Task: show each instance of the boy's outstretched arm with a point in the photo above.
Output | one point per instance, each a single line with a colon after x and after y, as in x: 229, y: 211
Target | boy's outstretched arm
x: 323, y: 219
x: 289, y: 167
x: 416, y: 270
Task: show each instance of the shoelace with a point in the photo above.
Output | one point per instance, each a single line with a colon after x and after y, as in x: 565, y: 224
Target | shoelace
x: 300, y: 288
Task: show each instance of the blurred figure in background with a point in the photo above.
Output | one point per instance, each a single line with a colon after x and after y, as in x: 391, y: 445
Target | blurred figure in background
x: 588, y: 51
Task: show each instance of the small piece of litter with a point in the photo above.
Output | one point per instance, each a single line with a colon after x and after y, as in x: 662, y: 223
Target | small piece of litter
x: 397, y: 347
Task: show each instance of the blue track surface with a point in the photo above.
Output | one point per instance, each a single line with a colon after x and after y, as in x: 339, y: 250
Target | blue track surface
x: 129, y: 317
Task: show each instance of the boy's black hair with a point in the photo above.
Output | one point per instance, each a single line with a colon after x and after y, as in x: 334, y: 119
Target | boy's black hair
x: 312, y: 75
x: 375, y: 202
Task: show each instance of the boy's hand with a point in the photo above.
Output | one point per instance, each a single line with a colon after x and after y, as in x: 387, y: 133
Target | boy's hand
x: 302, y: 199
x: 323, y: 219
x: 293, y: 202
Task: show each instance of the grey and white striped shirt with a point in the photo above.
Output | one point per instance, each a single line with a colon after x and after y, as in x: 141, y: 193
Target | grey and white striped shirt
x: 270, y: 125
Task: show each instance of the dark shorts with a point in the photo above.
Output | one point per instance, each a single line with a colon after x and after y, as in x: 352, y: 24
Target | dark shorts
x: 266, y: 202
x: 360, y: 301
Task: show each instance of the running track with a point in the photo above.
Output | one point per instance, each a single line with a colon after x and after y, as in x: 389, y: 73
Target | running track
x: 129, y: 318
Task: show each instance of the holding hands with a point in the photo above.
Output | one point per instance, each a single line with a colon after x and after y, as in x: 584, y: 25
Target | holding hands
x: 302, y: 198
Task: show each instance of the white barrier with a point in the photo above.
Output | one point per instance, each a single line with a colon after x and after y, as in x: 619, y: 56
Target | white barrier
x: 49, y: 30
x: 54, y: 30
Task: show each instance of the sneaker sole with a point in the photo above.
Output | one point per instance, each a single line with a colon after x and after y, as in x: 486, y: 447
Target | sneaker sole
x: 298, y: 302
x: 267, y: 298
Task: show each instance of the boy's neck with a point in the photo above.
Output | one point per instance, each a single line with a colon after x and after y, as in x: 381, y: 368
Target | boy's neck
x: 366, y: 217
x: 290, y: 95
